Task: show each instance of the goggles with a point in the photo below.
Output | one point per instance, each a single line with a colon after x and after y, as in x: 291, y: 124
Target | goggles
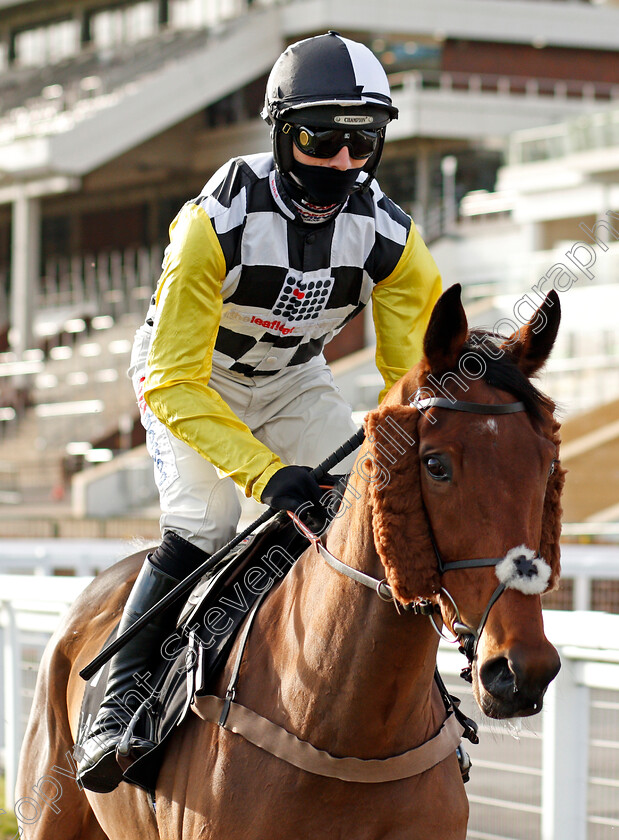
x: 326, y: 143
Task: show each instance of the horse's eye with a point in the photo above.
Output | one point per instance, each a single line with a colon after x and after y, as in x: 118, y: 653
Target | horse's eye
x: 552, y: 468
x: 435, y: 469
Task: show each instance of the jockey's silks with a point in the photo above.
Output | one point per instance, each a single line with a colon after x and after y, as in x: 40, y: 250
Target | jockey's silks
x: 247, y: 287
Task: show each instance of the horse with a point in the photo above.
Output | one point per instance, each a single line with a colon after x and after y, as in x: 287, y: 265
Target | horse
x: 452, y: 509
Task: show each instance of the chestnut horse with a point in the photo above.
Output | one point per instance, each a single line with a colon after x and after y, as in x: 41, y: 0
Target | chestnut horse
x: 438, y: 496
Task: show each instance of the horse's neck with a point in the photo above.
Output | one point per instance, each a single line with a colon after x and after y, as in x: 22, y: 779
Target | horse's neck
x: 348, y: 667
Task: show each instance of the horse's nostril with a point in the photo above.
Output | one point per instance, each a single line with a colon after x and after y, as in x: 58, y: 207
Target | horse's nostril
x: 497, y: 678
x: 513, y: 685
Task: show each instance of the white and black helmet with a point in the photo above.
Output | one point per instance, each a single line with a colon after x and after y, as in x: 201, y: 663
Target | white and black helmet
x: 327, y: 82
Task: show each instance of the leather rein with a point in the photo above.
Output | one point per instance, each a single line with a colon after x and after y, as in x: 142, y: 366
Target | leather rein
x: 521, y: 565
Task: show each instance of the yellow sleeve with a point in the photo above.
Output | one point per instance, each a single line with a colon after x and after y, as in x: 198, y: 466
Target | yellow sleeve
x: 189, y: 305
x: 401, y: 308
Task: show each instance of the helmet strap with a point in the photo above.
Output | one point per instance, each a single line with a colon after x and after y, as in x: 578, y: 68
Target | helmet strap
x: 282, y: 146
x: 372, y: 164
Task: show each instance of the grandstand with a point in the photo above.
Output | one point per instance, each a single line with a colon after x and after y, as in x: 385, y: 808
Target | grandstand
x: 113, y: 112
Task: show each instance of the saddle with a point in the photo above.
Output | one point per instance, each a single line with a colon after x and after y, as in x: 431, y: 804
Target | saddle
x: 198, y: 647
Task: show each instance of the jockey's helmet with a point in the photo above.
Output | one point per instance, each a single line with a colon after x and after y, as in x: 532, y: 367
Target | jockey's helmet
x: 327, y: 92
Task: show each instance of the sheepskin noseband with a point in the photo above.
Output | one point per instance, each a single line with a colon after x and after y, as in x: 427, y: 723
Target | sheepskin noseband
x: 523, y: 570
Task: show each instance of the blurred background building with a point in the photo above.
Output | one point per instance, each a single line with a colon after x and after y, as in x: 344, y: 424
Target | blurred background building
x: 112, y: 114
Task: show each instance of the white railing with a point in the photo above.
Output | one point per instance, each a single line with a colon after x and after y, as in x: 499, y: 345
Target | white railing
x: 519, y: 86
x: 75, y: 557
x: 552, y: 142
x: 580, y: 563
x: 554, y: 776
x: 563, y: 759
x: 30, y: 610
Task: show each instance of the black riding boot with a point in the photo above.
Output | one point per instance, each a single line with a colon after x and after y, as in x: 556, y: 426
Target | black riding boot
x: 97, y: 768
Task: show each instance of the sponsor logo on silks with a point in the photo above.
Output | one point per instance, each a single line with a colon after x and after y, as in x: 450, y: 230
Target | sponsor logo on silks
x: 303, y: 298
x: 352, y: 119
x: 277, y: 326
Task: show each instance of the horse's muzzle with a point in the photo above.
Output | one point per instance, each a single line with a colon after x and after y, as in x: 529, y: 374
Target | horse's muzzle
x: 513, y: 685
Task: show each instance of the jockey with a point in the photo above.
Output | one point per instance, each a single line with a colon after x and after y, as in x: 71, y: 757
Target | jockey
x: 266, y: 265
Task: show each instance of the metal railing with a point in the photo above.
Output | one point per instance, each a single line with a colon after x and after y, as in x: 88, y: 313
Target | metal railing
x: 554, y: 776
x: 474, y: 83
x: 550, y: 777
x: 551, y: 142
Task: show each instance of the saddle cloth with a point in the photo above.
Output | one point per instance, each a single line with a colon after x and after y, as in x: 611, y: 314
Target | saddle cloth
x: 197, y: 650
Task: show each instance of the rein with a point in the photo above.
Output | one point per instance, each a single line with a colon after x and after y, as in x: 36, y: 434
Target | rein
x: 520, y: 569
x: 277, y: 741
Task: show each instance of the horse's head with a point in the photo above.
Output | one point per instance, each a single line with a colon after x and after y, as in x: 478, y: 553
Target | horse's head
x: 470, y: 514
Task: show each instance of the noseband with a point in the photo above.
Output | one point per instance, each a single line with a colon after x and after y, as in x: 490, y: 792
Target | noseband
x: 521, y: 568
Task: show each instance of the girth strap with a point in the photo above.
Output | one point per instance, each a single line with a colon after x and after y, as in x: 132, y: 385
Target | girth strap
x: 279, y: 742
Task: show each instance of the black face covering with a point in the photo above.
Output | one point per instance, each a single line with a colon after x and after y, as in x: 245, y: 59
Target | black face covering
x: 323, y: 184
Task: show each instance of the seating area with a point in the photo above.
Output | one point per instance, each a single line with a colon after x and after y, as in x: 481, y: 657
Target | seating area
x: 40, y: 100
x: 68, y: 402
x: 80, y: 410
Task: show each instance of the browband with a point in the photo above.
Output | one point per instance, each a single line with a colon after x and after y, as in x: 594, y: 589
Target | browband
x: 473, y: 408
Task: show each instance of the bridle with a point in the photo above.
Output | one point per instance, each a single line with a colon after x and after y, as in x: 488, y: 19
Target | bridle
x: 521, y: 568
x: 522, y: 564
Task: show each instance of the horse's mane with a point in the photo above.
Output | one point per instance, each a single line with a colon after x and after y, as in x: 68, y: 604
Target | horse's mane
x: 401, y: 530
x: 504, y: 374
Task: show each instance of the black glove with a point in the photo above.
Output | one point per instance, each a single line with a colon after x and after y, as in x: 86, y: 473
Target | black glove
x: 291, y: 488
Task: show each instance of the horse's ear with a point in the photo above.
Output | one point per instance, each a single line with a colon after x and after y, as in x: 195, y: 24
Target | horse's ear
x: 401, y: 532
x: 532, y: 344
x: 446, y: 332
